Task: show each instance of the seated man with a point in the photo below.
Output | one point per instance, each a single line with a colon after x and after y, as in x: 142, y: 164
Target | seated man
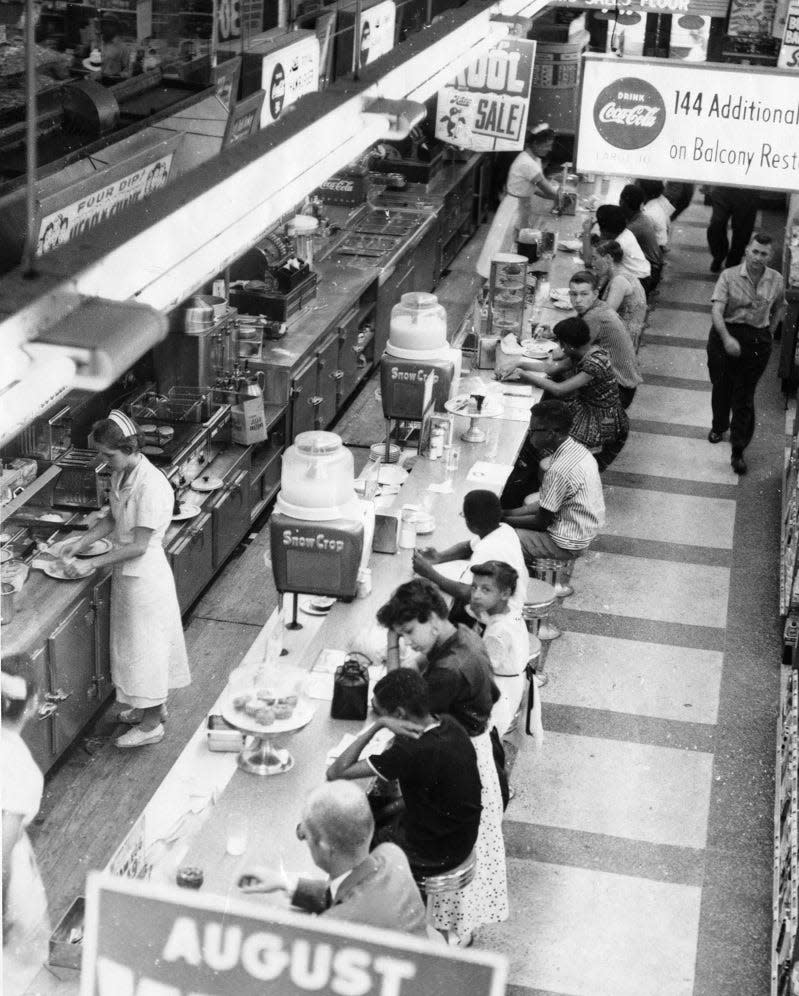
x: 492, y: 540
x: 436, y: 766
x: 505, y: 636
x: 570, y: 509
x: 376, y: 889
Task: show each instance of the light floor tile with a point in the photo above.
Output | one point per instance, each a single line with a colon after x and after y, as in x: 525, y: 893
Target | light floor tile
x: 660, y: 590
x: 677, y: 457
x: 643, y: 679
x: 673, y: 361
x: 630, y: 790
x: 592, y: 933
x: 669, y: 518
x: 684, y: 291
x: 666, y: 321
x: 672, y: 405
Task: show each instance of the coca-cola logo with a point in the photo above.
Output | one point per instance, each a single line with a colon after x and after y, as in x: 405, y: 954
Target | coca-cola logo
x: 277, y: 91
x: 629, y: 113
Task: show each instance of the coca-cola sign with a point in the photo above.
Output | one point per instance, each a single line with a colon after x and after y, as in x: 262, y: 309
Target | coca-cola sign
x: 629, y: 113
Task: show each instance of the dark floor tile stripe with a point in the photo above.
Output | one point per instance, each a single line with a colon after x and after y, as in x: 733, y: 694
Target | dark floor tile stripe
x: 673, y: 275
x: 644, y: 630
x: 683, y: 223
x: 602, y: 852
x: 526, y: 991
x: 669, y: 485
x: 678, y: 553
x: 683, y: 383
x: 656, y: 428
x: 699, y: 309
x: 687, y: 247
x: 580, y: 721
x: 653, y: 339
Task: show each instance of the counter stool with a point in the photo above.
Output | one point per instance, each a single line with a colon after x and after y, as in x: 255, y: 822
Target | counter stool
x: 454, y: 880
x: 541, y: 600
x: 555, y: 572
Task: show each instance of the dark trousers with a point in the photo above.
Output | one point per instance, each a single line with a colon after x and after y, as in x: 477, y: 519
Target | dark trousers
x: 605, y: 457
x: 739, y: 207
x: 734, y: 379
x: 626, y: 394
x: 680, y: 195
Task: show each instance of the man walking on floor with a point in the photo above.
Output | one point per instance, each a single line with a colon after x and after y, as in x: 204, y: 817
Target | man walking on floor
x: 748, y: 305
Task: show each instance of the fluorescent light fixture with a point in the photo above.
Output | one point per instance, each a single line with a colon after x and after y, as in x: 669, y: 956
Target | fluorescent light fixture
x: 35, y: 379
x: 402, y: 115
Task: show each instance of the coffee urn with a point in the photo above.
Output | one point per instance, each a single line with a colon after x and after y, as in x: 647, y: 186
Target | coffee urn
x: 417, y: 345
x: 321, y: 532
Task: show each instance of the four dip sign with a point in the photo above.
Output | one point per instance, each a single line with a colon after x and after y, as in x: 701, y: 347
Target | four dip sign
x: 732, y: 125
x: 143, y: 939
x: 486, y: 108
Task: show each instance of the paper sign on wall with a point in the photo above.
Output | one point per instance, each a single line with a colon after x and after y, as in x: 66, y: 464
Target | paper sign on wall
x: 377, y: 31
x: 699, y: 123
x: 789, y: 52
x: 141, y: 938
x: 486, y: 107
x: 288, y: 74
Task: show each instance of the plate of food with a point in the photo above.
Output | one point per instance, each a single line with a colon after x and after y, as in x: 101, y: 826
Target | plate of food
x: 391, y: 474
x: 466, y: 404
x: 99, y: 546
x: 207, y: 482
x: 570, y: 245
x: 55, y: 569
x: 262, y: 711
x: 186, y: 511
x: 562, y: 305
x: 537, y: 350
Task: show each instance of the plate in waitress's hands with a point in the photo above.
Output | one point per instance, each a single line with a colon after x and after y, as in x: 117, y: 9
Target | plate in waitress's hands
x: 56, y: 570
x: 98, y: 547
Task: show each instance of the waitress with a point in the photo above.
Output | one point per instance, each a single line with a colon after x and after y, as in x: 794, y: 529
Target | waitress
x: 525, y: 180
x: 148, y: 651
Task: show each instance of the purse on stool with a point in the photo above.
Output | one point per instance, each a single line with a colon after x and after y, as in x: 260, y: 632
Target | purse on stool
x: 350, y: 690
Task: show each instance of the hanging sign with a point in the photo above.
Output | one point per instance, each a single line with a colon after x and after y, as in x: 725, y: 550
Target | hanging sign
x: 486, y: 107
x: 73, y: 211
x: 287, y: 74
x: 140, y: 938
x: 701, y: 123
x: 789, y: 52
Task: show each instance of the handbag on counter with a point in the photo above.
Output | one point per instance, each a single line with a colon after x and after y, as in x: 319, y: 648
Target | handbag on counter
x: 350, y: 690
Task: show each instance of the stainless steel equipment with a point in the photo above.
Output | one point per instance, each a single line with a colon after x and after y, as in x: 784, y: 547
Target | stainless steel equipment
x: 84, y: 481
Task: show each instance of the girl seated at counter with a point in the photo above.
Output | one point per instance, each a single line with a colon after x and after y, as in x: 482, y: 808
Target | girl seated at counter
x: 619, y: 290
x: 505, y: 636
x: 457, y: 671
x: 591, y: 390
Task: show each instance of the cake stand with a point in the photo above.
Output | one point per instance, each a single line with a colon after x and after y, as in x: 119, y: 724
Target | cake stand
x: 465, y: 404
x: 260, y: 756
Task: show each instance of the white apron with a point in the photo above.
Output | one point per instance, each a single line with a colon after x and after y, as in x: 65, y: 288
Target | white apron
x: 513, y: 211
x: 148, y: 651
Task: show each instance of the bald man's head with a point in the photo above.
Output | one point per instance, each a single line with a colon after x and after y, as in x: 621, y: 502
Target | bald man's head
x: 338, y: 813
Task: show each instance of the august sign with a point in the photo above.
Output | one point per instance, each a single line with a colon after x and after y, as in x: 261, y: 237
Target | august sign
x: 486, y: 107
x: 142, y: 939
x: 708, y: 124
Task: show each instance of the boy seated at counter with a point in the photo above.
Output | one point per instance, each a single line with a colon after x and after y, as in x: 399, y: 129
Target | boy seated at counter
x: 568, y: 512
x: 491, y: 540
x: 435, y: 764
x: 374, y: 888
x: 505, y: 636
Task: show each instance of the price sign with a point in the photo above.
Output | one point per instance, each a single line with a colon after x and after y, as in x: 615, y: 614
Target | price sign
x: 228, y: 19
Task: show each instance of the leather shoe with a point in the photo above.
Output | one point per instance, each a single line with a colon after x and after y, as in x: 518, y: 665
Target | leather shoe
x: 715, y: 266
x: 738, y: 463
x: 715, y: 437
x: 137, y: 737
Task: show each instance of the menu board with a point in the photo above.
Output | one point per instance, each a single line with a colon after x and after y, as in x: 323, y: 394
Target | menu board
x: 700, y: 123
x: 486, y: 107
x: 287, y: 74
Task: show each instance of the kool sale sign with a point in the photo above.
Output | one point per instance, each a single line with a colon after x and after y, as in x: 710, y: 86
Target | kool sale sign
x: 789, y: 50
x: 733, y: 125
x: 486, y: 107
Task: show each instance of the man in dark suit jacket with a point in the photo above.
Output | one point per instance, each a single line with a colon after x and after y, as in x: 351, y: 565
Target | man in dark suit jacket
x: 376, y: 889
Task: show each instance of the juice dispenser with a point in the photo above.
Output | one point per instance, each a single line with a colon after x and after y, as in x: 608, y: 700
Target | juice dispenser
x: 321, y: 532
x: 417, y: 345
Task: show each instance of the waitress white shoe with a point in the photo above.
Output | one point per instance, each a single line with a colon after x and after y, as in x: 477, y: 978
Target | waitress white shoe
x: 137, y: 737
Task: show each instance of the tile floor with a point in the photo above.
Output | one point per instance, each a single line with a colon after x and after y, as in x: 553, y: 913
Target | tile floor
x: 624, y: 869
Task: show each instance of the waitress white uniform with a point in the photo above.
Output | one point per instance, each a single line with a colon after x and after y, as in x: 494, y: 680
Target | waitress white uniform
x: 513, y: 211
x: 148, y: 651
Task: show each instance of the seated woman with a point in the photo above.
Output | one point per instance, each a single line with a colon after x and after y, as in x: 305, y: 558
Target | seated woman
x: 505, y: 636
x: 620, y: 290
x: 591, y: 390
x: 459, y: 680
